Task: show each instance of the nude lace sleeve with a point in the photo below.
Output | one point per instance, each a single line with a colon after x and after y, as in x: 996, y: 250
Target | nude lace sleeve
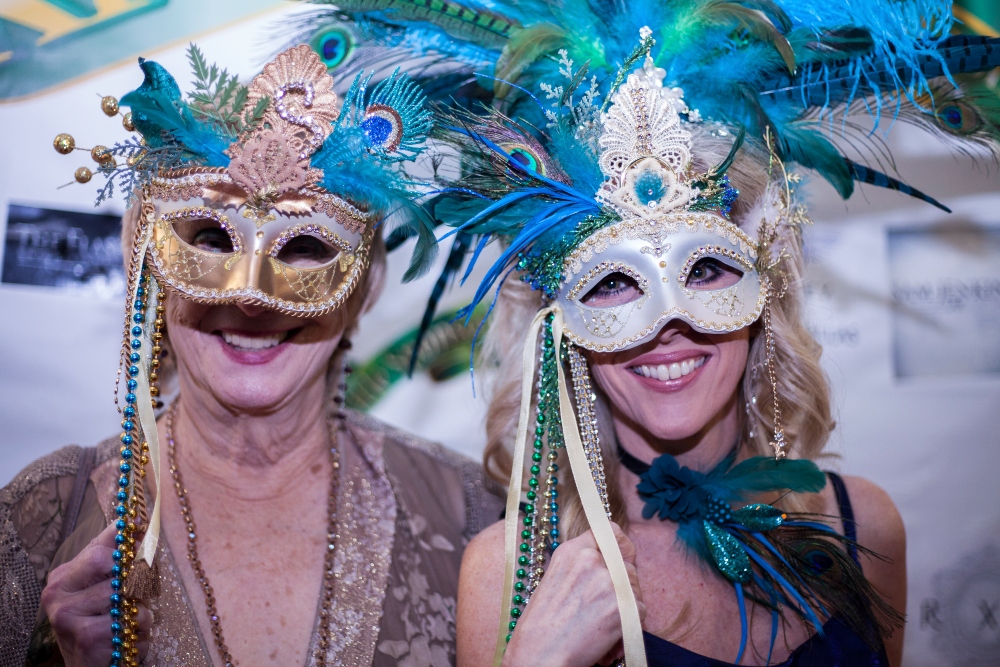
x: 32, y: 508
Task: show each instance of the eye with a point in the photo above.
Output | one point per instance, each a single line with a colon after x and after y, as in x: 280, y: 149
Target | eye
x: 213, y: 240
x: 205, y: 234
x: 711, y: 274
x: 614, y: 290
x: 306, y: 251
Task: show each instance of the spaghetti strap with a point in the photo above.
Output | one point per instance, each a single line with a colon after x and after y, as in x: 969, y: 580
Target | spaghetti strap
x: 846, y: 514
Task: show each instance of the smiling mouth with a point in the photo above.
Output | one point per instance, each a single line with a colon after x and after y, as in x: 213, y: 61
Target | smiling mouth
x: 252, y: 343
x: 665, y: 372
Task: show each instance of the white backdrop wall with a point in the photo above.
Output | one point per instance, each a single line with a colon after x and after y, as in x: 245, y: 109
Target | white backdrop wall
x: 904, y: 298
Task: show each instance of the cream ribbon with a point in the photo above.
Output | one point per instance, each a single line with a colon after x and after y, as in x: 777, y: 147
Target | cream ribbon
x: 516, y: 475
x: 593, y: 506
x: 147, y: 419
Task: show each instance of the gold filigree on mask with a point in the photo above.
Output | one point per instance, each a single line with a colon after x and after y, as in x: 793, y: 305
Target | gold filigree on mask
x: 188, y: 261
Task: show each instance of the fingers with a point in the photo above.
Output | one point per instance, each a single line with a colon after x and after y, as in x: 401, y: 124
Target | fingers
x: 145, y: 619
x: 625, y: 545
x: 616, y: 653
x: 87, y: 641
x: 106, y: 538
x: 91, y: 566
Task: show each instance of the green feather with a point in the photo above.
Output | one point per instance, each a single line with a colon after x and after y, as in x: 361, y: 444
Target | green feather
x: 765, y: 473
x: 801, y: 143
x: 757, y: 23
x: 481, y: 26
x: 526, y: 45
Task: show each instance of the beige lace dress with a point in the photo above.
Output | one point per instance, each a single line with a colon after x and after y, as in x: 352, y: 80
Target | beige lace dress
x: 406, y: 510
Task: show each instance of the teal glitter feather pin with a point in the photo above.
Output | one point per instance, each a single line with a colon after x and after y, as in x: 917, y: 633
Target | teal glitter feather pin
x: 771, y: 557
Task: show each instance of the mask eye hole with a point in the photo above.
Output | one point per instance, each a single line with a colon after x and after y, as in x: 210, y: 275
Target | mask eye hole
x: 205, y: 234
x: 306, y: 251
x: 615, y: 289
x: 711, y: 274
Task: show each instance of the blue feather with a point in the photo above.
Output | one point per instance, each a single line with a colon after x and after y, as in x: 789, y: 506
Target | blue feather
x: 743, y: 620
x: 799, y: 600
x: 863, y: 174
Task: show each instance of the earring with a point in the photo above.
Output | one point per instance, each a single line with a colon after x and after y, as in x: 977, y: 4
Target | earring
x: 778, y: 444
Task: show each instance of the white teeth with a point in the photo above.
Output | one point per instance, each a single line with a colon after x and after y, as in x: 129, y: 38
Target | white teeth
x: 245, y: 343
x: 665, y: 372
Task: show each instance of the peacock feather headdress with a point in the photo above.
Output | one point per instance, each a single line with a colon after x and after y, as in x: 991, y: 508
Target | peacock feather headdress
x: 582, y: 165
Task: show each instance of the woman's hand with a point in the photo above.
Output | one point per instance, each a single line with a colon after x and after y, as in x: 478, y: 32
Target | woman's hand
x: 572, y: 619
x: 77, y: 602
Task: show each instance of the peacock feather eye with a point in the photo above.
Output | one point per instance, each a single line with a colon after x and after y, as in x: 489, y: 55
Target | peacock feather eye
x: 524, y: 157
x: 383, y: 127
x: 333, y: 45
x: 959, y: 118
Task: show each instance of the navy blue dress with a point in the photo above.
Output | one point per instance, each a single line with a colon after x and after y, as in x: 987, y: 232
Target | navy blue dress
x: 839, y: 645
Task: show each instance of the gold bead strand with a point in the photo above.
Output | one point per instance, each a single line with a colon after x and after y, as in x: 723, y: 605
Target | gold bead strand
x: 159, y: 324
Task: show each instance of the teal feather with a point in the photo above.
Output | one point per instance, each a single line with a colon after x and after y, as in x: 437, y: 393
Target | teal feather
x: 405, y: 97
x: 156, y: 81
x: 804, y: 144
x: 764, y: 473
x: 783, y: 560
x: 370, y: 175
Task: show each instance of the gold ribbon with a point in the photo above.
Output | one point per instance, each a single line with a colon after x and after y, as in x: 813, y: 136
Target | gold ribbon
x: 593, y: 506
x: 147, y: 420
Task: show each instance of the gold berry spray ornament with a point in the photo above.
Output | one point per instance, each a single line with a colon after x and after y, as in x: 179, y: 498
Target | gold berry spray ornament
x: 102, y: 155
x: 109, y: 105
x: 64, y: 143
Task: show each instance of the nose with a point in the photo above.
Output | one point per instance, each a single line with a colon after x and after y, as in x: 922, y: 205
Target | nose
x: 250, y: 310
x: 673, y: 329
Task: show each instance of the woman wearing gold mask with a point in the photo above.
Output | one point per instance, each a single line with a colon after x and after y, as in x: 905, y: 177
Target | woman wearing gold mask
x: 255, y: 520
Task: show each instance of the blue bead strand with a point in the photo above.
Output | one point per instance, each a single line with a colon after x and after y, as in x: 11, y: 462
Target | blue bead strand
x: 123, y: 623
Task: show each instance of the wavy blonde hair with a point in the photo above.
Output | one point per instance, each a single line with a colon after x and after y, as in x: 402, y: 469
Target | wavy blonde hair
x: 803, y: 387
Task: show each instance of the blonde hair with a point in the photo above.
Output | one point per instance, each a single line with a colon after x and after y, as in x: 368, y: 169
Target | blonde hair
x: 366, y: 292
x: 803, y: 387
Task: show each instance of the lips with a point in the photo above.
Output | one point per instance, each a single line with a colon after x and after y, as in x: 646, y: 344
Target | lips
x: 254, y: 347
x: 671, y: 371
x: 245, y: 342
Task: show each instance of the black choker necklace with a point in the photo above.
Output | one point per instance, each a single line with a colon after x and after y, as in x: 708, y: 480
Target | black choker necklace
x: 633, y: 464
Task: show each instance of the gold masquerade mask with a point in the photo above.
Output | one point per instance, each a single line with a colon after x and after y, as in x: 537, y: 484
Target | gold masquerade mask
x: 262, y: 231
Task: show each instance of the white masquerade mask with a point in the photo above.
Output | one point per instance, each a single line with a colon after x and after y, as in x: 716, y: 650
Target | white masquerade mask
x: 665, y: 258
x: 695, y: 266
